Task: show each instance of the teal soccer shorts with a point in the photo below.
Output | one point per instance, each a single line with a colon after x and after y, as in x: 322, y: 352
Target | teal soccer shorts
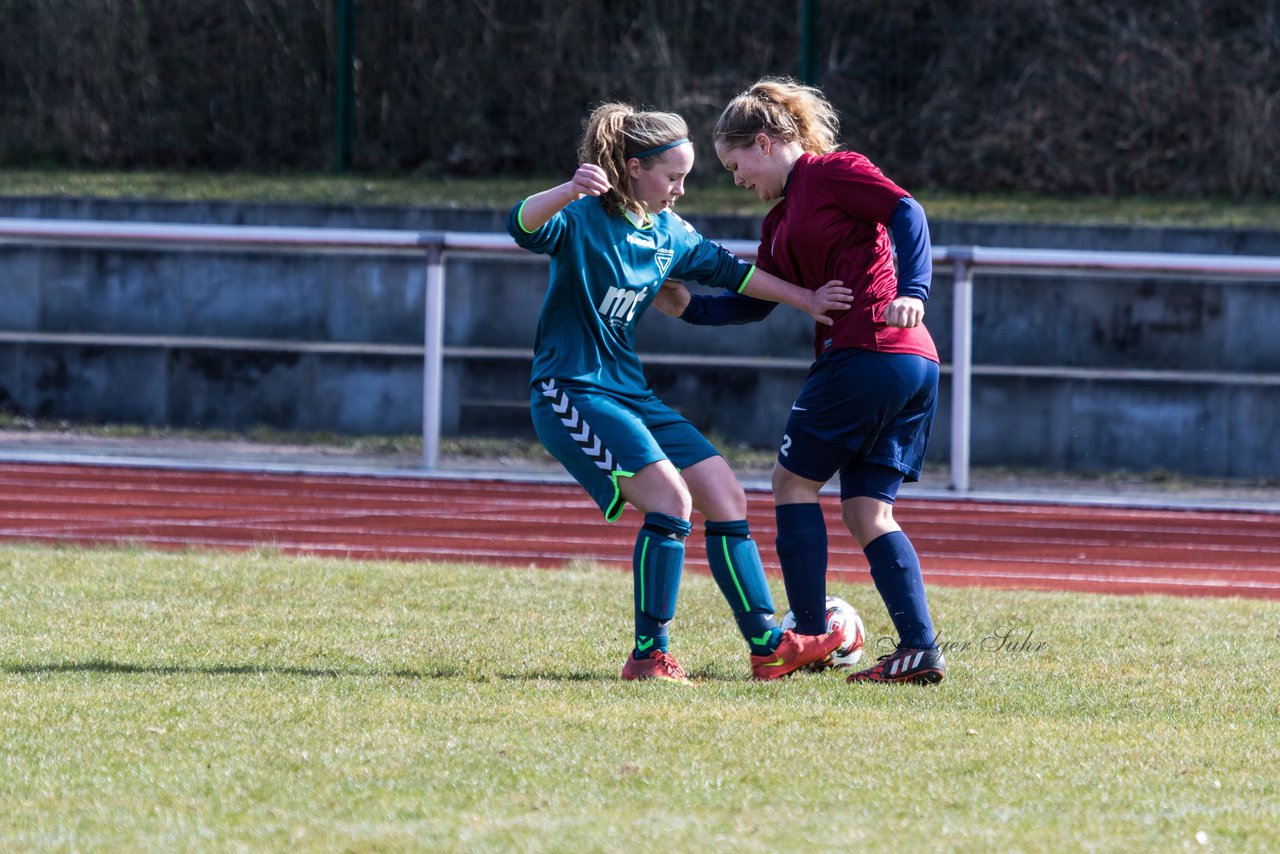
x: 600, y: 437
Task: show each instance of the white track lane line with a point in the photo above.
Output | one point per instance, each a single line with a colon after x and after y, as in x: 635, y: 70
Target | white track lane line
x: 136, y: 498
x: 1270, y: 527
x: 1104, y: 580
x: 271, y: 515
x: 290, y: 534
x: 393, y: 551
x: 168, y: 480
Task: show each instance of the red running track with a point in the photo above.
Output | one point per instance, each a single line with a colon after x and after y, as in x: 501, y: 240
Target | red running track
x: 961, y: 542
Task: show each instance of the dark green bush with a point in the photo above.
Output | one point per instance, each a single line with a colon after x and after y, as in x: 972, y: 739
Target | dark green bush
x: 1056, y: 96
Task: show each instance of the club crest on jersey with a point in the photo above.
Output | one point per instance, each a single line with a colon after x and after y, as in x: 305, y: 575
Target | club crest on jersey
x: 664, y: 257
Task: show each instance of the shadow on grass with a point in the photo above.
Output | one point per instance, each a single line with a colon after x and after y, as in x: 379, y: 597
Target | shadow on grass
x: 113, y: 667
x: 100, y: 666
x: 695, y: 677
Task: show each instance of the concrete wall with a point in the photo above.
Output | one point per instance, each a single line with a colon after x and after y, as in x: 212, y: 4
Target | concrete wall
x: 1202, y: 428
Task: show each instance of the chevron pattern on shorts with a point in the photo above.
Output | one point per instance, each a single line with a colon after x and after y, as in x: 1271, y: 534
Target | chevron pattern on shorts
x: 579, y: 429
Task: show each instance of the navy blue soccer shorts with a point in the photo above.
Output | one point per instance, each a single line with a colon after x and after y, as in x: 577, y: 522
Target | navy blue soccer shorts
x: 865, y: 415
x: 600, y: 437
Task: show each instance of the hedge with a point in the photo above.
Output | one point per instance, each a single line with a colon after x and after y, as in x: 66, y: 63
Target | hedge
x: 1180, y: 97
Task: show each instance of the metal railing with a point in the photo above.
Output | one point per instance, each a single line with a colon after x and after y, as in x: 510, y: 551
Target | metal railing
x: 433, y: 246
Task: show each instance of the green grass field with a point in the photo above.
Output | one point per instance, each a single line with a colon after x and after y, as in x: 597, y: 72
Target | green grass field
x: 710, y: 191
x: 211, y: 701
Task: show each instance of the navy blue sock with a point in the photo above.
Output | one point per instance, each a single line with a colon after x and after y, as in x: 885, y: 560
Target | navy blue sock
x: 736, y: 567
x: 802, y: 553
x: 657, y: 563
x: 895, y: 568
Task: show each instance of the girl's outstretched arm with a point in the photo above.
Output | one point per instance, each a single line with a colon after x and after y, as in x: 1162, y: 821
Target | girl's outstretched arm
x: 727, y: 308
x: 833, y: 296
x: 588, y: 180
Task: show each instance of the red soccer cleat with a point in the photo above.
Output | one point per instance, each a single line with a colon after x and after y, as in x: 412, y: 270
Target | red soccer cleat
x: 795, y: 651
x: 659, y: 665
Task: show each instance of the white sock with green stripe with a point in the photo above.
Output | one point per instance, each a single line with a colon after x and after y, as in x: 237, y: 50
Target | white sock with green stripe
x: 736, y: 567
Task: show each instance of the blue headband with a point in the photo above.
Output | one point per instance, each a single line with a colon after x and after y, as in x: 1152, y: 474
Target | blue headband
x: 661, y: 148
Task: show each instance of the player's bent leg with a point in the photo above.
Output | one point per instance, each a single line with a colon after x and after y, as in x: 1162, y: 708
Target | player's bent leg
x: 732, y: 554
x: 868, y: 519
x: 715, y: 490
x: 599, y: 442
x: 657, y: 565
x: 791, y: 488
x: 657, y: 488
x: 801, y: 544
x: 895, y: 569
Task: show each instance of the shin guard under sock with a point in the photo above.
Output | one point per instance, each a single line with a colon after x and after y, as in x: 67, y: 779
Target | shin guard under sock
x: 657, y: 563
x: 802, y: 552
x: 895, y: 568
x: 737, y: 570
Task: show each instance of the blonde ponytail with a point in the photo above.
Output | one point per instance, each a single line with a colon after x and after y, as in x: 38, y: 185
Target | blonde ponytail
x: 616, y: 132
x: 784, y: 109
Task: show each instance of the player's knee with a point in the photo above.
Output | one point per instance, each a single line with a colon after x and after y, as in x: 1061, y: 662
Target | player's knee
x: 658, y: 488
x: 717, y: 493
x: 677, y: 502
x: 867, y: 518
x: 670, y: 505
x: 778, y: 480
x: 789, y: 488
x: 726, y: 502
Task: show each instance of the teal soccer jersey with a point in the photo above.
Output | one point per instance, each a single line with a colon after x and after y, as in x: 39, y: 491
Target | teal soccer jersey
x: 605, y: 272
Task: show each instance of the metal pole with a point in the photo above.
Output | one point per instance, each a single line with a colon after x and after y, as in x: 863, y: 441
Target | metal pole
x: 433, y: 356
x: 961, y: 373
x: 807, y: 42
x: 344, y: 83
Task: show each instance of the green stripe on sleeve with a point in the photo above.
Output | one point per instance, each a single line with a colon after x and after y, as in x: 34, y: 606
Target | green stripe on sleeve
x: 747, y: 278
x: 520, y: 218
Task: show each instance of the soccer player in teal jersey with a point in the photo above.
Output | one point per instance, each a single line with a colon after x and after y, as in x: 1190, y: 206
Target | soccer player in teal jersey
x: 614, y: 240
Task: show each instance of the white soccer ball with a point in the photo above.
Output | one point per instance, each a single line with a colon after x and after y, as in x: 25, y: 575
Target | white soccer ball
x: 839, y: 613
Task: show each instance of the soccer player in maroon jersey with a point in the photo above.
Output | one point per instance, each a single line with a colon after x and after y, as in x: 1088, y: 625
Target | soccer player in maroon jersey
x: 867, y: 406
